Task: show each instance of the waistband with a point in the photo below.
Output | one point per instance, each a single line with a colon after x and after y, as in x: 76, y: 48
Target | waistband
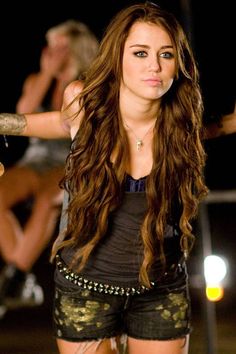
x: 100, y: 287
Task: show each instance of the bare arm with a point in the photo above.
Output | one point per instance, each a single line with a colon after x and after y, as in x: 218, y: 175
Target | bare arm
x: 47, y: 125
x: 33, y: 92
x: 227, y: 125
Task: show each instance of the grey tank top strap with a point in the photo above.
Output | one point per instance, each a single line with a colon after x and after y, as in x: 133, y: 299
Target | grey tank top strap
x: 64, y: 216
x: 63, y: 220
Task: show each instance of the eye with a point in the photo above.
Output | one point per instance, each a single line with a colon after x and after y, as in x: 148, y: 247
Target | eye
x: 140, y: 53
x: 167, y: 55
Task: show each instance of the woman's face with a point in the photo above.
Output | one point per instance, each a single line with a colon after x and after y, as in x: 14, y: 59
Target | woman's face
x: 64, y: 61
x: 58, y: 41
x: 149, y: 63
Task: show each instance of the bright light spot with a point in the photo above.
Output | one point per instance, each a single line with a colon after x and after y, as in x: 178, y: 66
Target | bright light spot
x: 214, y: 294
x: 215, y: 270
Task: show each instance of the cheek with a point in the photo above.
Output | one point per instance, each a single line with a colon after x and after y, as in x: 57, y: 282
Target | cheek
x: 169, y: 69
x: 169, y: 79
x: 129, y: 72
x: 170, y: 83
x: 173, y: 71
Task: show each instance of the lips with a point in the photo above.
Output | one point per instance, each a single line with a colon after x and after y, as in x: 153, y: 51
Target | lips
x: 153, y: 82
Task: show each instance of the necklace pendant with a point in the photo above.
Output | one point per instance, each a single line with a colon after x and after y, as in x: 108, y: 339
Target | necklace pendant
x: 139, y: 144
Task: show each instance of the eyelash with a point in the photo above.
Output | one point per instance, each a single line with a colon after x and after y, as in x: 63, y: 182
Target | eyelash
x: 167, y: 55
x: 140, y: 54
x: 143, y: 54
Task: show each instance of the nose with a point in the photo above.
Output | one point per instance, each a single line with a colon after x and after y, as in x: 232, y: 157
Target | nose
x: 154, y: 64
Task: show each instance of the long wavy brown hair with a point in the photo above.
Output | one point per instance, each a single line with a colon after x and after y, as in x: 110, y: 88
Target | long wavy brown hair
x: 95, y: 184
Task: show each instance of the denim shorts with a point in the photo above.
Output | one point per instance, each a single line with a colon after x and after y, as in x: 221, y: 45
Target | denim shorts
x: 162, y: 313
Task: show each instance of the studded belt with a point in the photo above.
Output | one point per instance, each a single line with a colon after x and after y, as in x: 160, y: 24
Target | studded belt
x: 84, y: 283
x: 97, y: 286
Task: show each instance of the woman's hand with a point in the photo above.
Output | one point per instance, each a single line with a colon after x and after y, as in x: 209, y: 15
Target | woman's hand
x: 54, y: 59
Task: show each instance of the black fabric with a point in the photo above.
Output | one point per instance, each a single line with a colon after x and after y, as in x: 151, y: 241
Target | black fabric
x: 118, y: 256
x: 161, y: 313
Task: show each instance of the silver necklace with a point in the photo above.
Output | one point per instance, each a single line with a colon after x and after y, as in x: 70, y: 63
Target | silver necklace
x: 139, y: 141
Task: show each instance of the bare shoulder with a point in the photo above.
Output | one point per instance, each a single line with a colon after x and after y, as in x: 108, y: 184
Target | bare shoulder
x: 72, y: 91
x: 71, y: 114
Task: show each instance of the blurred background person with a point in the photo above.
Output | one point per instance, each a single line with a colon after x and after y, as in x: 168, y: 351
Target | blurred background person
x: 70, y: 49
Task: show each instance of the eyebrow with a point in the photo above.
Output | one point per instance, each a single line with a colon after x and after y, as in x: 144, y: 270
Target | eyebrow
x: 147, y: 46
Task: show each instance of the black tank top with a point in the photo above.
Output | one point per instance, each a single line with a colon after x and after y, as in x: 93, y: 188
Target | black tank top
x: 117, y: 258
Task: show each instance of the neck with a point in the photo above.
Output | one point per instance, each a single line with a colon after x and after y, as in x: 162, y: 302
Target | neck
x: 138, y: 112
x: 139, y: 139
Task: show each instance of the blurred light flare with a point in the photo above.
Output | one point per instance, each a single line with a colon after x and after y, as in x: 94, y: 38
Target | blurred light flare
x: 215, y: 270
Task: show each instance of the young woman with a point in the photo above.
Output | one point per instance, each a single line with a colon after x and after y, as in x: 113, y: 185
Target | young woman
x: 132, y: 184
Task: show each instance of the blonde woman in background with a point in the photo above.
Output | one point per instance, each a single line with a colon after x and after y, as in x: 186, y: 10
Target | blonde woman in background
x: 70, y: 49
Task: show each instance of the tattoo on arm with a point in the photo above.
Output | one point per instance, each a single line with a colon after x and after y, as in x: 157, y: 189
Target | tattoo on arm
x: 12, y: 124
